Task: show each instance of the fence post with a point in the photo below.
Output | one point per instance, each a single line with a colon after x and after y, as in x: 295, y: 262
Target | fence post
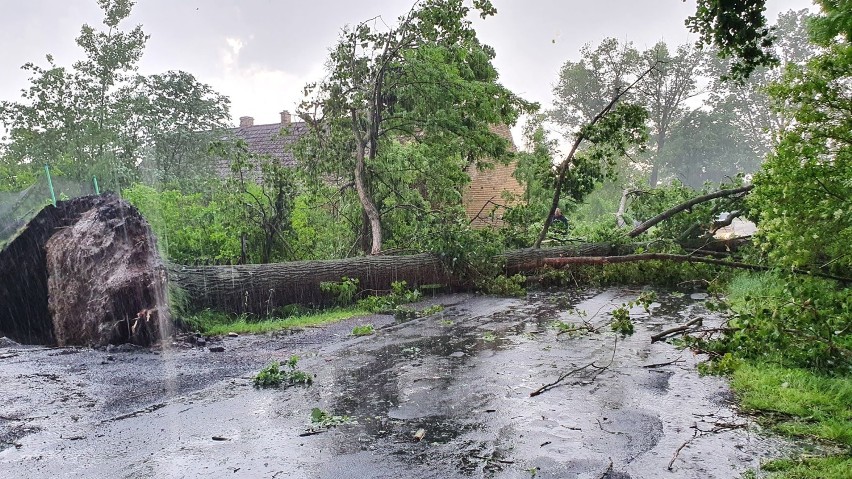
x: 50, y: 183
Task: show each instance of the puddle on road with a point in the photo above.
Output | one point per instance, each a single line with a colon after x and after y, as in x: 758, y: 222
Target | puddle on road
x: 464, y: 377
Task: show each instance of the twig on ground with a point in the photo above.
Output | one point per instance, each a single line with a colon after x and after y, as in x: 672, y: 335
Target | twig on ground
x: 675, y: 330
x: 685, y: 443
x: 659, y: 365
x: 564, y: 376
x: 717, y: 427
x: 608, y: 470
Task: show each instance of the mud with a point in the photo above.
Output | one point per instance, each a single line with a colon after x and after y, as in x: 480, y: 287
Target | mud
x: 463, y: 375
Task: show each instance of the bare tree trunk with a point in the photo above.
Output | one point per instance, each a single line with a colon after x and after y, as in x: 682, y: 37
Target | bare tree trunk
x: 261, y: 288
x: 361, y: 187
x: 655, y: 169
x: 622, y: 206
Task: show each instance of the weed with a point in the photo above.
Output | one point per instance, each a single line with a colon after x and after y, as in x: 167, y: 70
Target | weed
x: 363, y: 330
x: 402, y: 313
x: 400, y: 294
x: 434, y: 309
x: 489, y: 337
x: 343, y: 291
x: 447, y: 322
x: 503, y: 285
x: 273, y: 376
x: 322, y: 419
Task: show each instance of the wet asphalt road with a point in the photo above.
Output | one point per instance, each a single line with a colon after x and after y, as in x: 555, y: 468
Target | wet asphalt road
x: 464, y: 376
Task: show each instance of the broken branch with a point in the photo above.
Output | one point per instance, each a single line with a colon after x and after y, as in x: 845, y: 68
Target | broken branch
x: 601, y: 260
x: 549, y: 386
x: 685, y: 206
x: 676, y: 329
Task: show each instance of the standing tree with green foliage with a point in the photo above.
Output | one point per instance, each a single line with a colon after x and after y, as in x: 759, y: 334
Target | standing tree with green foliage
x: 671, y: 81
x: 262, y: 193
x: 420, y: 97
x: 761, y: 118
x: 100, y: 117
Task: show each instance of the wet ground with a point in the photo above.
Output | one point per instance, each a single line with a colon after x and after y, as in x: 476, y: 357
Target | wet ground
x: 462, y: 376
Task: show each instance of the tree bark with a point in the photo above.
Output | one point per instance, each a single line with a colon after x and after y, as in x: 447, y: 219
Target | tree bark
x: 685, y: 206
x: 361, y: 187
x: 261, y: 288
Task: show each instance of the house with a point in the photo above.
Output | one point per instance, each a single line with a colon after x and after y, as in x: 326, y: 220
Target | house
x: 483, y: 196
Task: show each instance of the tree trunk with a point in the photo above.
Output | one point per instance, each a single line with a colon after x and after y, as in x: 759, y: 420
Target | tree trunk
x: 363, y: 195
x: 682, y: 258
x: 655, y: 169
x: 261, y: 288
x: 622, y: 207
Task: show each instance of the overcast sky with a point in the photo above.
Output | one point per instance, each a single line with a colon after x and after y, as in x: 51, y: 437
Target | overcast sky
x: 261, y: 53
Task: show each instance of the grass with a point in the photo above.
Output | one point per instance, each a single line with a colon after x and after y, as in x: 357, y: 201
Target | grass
x: 800, y: 403
x: 742, y: 286
x: 363, y: 330
x: 831, y: 467
x: 797, y: 402
x: 215, y: 323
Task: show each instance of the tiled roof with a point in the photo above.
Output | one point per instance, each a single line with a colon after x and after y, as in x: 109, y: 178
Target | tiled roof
x: 273, y: 139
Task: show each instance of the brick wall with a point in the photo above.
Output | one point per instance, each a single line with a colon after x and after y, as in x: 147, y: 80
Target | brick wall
x: 488, y: 186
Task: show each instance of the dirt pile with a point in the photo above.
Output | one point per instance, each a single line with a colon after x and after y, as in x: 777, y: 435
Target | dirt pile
x: 85, y: 272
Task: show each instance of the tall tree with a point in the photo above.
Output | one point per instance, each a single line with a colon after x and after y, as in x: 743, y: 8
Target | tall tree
x: 100, y: 116
x: 761, y: 118
x: 72, y: 119
x: 585, y: 87
x: 671, y: 81
x: 427, y: 80
x: 176, y: 119
x: 708, y: 146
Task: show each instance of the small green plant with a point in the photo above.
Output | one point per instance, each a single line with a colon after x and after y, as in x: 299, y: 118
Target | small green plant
x: 402, y: 313
x: 344, y: 291
x: 621, y: 321
x: 489, y: 337
x: 447, y: 322
x: 322, y: 420
x: 363, y: 330
x: 434, y: 309
x: 503, y: 285
x: 272, y: 376
x: 400, y: 294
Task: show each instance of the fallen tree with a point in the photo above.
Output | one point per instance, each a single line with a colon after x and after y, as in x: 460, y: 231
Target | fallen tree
x: 645, y: 226
x: 261, y: 288
x: 630, y: 258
